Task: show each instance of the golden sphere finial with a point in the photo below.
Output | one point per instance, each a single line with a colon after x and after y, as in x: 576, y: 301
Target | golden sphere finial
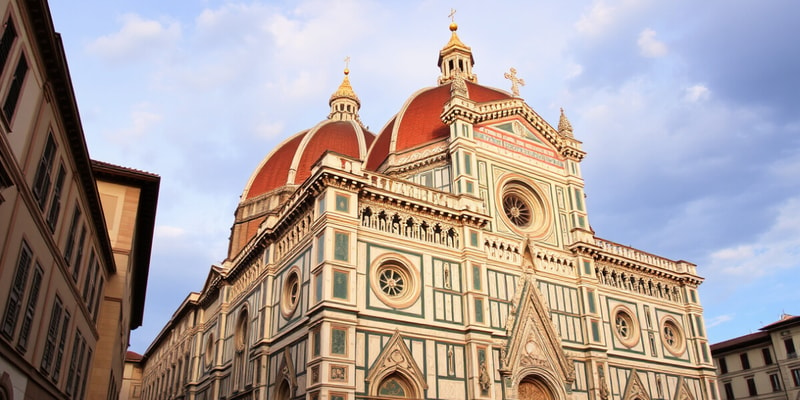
x: 347, y: 71
x: 453, y: 26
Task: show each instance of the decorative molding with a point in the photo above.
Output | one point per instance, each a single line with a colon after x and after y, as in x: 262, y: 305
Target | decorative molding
x: 396, y: 358
x: 533, y: 343
x: 634, y: 389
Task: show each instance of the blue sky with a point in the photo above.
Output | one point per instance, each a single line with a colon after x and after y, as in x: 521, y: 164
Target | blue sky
x: 689, y: 113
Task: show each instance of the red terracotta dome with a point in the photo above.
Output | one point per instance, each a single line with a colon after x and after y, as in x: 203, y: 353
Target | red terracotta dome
x: 419, y: 120
x: 290, y: 163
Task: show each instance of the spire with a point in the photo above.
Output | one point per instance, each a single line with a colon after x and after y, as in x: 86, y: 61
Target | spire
x: 455, y: 56
x: 564, y: 127
x: 344, y: 102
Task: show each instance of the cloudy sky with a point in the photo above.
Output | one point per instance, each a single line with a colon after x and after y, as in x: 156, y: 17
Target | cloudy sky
x: 689, y: 112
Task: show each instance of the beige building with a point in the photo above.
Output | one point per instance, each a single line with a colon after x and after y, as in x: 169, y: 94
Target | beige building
x: 75, y: 234
x: 132, y: 377
x: 761, y: 365
x: 448, y: 256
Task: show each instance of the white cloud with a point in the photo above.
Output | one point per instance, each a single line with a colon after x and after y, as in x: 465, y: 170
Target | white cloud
x: 776, y: 249
x: 573, y: 70
x: 137, y: 38
x: 598, y: 18
x: 605, y: 15
x: 718, y: 320
x: 649, y: 46
x: 141, y: 123
x: 697, y: 93
x: 169, y: 232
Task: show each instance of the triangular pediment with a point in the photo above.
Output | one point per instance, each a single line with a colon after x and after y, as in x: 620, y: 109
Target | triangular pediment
x: 519, y: 129
x: 533, y: 341
x: 213, y: 278
x: 683, y: 392
x: 287, y: 370
x: 516, y: 137
x: 634, y: 389
x: 396, y: 358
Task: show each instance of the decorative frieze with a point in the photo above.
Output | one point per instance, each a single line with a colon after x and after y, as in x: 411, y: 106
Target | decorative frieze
x: 636, y: 283
x: 410, y: 226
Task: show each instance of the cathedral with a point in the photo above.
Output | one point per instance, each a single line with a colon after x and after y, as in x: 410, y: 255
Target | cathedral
x: 447, y: 256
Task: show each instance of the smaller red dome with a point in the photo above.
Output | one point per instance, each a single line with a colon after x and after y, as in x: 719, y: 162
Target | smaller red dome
x: 290, y: 163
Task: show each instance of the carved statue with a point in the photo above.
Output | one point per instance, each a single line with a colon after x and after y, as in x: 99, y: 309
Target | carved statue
x: 484, y: 379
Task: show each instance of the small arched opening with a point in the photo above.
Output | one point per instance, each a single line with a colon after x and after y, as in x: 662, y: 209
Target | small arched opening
x: 397, y: 386
x: 534, y: 388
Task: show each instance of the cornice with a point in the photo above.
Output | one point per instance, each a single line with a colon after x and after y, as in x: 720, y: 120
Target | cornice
x: 669, y: 269
x: 475, y: 113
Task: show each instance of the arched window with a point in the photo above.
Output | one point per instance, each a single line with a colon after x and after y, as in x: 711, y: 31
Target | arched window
x: 241, y: 341
x: 395, y: 385
x: 283, y: 392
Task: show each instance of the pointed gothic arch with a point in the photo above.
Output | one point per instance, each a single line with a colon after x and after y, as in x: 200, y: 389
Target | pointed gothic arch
x: 634, y: 388
x: 395, y: 373
x: 683, y: 392
x: 285, y: 379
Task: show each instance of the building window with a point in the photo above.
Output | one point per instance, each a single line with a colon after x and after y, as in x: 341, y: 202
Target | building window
x: 55, y: 202
x: 315, y: 342
x: 97, y: 297
x: 340, y: 284
x: 776, y: 382
x: 17, y: 292
x: 12, y: 97
x: 342, y: 203
x: 625, y: 327
x: 42, y: 179
x: 90, y: 285
x: 767, y: 356
x: 745, y: 361
x: 729, y: 391
x: 517, y: 209
x: 69, y: 248
x: 751, y: 387
x: 30, y: 309
x: 341, y: 246
x: 394, y: 281
x: 321, y: 248
x: 790, y: 351
x: 290, y: 295
x: 723, y: 365
x: 339, y: 341
x: 523, y: 208
x: 52, y: 335
x: 796, y: 376
x: 6, y: 41
x: 76, y: 365
x: 672, y: 337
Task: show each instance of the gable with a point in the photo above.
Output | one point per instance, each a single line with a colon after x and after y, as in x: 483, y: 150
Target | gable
x: 514, y: 138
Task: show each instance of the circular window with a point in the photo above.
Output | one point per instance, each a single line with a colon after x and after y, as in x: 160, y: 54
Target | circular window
x: 517, y: 209
x: 291, y: 293
x: 394, y: 282
x: 625, y: 327
x: 672, y: 336
x: 523, y: 208
x: 209, y: 356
